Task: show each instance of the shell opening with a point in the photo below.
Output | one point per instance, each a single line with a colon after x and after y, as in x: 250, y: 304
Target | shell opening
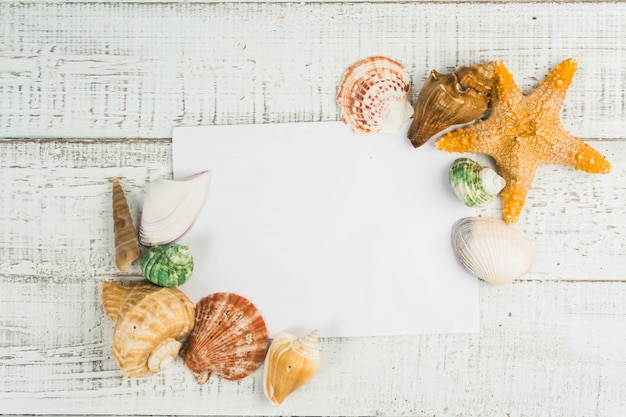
x: 163, y: 355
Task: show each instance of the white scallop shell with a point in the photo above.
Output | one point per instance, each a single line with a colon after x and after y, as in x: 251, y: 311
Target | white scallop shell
x: 492, y: 249
x: 171, y: 207
x: 373, y: 95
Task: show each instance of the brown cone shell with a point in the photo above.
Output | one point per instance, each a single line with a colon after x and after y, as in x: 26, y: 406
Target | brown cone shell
x: 229, y: 338
x: 448, y: 99
x: 126, y: 243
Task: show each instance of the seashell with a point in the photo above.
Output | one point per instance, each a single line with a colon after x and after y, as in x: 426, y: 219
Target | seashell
x: 450, y: 99
x: 171, y: 207
x: 492, y: 249
x: 126, y: 244
x: 229, y: 339
x: 150, y: 325
x: 167, y: 266
x: 291, y: 362
x: 373, y: 95
x: 474, y: 184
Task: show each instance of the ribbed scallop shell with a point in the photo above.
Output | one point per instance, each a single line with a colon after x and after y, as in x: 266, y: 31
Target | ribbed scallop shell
x: 229, y: 339
x: 151, y: 323
x: 167, y: 266
x: 171, y: 207
x: 126, y: 244
x: 474, y: 184
x: 491, y: 249
x: 291, y: 362
x: 373, y: 95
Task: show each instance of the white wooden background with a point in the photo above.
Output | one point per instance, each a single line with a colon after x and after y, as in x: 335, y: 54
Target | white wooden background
x: 92, y: 89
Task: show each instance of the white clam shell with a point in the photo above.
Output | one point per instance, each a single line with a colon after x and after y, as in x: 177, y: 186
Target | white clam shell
x: 491, y: 249
x: 171, y: 207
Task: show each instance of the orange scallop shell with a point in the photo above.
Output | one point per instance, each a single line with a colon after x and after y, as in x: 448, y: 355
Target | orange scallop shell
x: 229, y: 338
x: 373, y: 95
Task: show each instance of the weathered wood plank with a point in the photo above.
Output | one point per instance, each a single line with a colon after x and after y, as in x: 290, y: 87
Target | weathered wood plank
x: 56, y: 239
x: 545, y: 348
x: 57, y: 222
x: 136, y: 69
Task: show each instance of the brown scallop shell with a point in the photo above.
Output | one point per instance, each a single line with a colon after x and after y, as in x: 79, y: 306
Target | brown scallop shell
x: 229, y: 338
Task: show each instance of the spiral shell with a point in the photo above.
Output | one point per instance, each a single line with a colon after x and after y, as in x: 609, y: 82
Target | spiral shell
x: 150, y: 325
x: 474, y: 184
x: 449, y: 99
x: 229, y: 338
x: 373, y: 95
x: 171, y: 207
x: 126, y: 244
x: 167, y: 266
x: 291, y: 362
x: 492, y: 249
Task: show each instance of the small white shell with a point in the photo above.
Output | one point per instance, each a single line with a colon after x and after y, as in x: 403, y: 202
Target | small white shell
x: 171, y: 207
x: 373, y: 95
x: 491, y: 249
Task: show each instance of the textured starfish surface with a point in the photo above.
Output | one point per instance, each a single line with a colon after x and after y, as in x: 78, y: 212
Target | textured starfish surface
x: 523, y: 132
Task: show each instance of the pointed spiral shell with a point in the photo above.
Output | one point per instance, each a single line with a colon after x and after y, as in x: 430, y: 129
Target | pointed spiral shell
x: 126, y: 244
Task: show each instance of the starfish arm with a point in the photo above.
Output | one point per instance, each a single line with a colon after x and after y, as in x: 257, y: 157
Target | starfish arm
x: 514, y: 197
x: 577, y: 154
x: 550, y: 93
x: 505, y: 91
x: 459, y: 140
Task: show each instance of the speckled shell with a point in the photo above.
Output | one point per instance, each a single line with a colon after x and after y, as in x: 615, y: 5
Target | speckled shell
x: 167, y: 266
x: 151, y: 323
x: 492, y: 249
x: 373, y: 95
x: 171, y: 207
x: 448, y: 99
x: 474, y: 184
x: 229, y: 339
x: 126, y: 244
x: 291, y: 362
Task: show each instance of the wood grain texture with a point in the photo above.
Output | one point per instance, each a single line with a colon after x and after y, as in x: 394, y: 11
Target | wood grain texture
x: 551, y: 344
x: 539, y: 338
x: 137, y: 69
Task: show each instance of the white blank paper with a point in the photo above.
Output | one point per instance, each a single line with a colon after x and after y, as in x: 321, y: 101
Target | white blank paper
x: 323, y: 228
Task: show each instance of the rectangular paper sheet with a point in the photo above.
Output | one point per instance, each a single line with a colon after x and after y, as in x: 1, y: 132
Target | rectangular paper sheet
x: 325, y: 229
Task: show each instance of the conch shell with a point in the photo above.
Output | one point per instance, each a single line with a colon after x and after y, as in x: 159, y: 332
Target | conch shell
x: 373, y: 95
x: 449, y: 99
x: 150, y: 325
x: 492, y: 249
x: 474, y: 184
x: 171, y: 207
x: 291, y: 362
x: 126, y: 244
x: 167, y: 266
x: 229, y: 338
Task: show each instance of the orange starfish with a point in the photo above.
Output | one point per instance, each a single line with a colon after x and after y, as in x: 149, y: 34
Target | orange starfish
x: 523, y: 132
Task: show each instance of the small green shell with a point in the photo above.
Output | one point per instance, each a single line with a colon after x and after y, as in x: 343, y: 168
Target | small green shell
x: 167, y: 266
x: 474, y: 184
